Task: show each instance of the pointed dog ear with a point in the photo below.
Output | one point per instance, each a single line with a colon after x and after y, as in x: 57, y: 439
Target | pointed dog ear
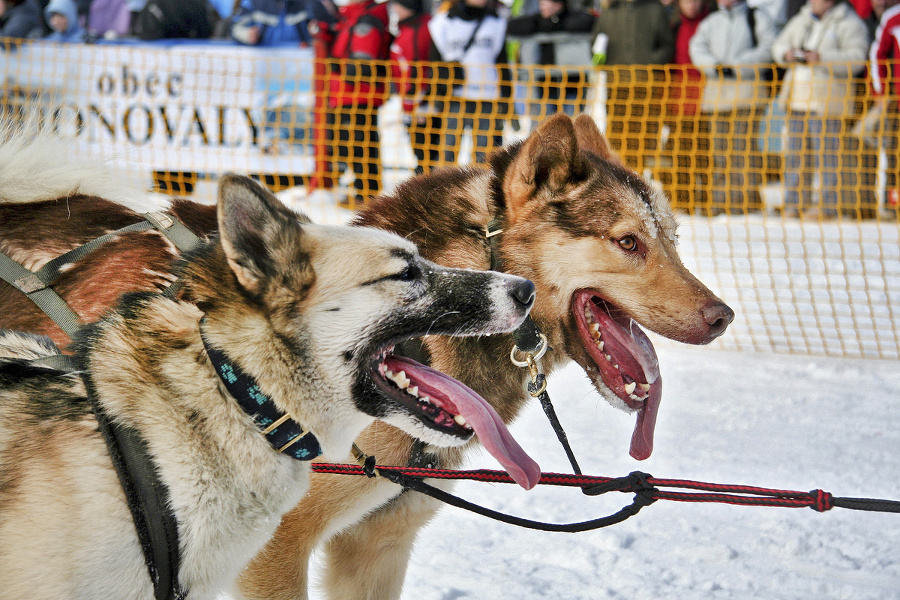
x: 547, y: 158
x: 253, y: 225
x: 590, y: 139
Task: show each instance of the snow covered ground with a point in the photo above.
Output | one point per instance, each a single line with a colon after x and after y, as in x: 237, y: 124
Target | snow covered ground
x: 739, y: 418
x: 751, y: 417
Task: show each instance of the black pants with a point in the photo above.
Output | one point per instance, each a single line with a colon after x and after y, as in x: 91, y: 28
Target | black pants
x: 352, y: 134
x: 425, y: 140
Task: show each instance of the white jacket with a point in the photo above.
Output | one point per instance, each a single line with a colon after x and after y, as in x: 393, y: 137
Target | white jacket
x: 842, y: 41
x: 450, y: 35
x: 723, y: 38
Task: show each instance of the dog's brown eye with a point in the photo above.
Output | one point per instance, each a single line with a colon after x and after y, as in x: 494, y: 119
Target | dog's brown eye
x: 628, y: 243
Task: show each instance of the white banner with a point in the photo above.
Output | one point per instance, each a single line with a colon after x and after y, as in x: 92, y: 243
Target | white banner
x: 205, y: 107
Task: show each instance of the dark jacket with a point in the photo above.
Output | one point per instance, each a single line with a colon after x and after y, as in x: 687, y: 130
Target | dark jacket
x: 566, y: 21
x: 23, y: 20
x: 639, y: 33
x: 165, y: 19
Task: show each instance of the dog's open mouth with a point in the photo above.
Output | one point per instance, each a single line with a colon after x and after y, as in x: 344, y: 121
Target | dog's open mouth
x: 625, y: 359
x: 449, y: 407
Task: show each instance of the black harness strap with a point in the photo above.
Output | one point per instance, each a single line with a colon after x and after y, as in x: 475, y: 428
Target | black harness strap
x: 528, y: 340
x: 644, y: 495
x: 148, y: 500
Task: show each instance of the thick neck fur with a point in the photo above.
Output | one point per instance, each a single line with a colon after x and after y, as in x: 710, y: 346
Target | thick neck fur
x: 227, y: 486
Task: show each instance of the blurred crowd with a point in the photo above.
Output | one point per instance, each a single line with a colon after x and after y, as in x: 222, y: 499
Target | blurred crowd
x: 726, y: 57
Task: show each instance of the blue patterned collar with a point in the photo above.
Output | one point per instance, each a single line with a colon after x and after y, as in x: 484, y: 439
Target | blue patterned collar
x: 284, y: 434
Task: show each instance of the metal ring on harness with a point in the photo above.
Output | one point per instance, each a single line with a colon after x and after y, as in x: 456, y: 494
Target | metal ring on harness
x: 538, y: 383
x: 542, y: 350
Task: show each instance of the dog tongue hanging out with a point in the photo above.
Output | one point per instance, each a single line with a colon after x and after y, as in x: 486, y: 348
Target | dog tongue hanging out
x: 626, y: 363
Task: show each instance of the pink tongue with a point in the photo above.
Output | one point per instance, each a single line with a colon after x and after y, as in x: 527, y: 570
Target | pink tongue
x: 458, y: 399
x: 642, y: 438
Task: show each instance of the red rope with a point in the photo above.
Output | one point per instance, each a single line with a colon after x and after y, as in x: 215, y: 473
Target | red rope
x: 707, y: 492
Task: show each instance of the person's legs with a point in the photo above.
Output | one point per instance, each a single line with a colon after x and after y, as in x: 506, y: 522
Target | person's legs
x: 794, y: 161
x: 829, y: 134
x: 721, y: 143
x: 453, y: 126
x: 366, y: 152
x: 487, y: 128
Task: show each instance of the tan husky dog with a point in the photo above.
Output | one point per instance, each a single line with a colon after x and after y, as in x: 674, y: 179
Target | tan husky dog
x: 304, y: 317
x: 599, y: 243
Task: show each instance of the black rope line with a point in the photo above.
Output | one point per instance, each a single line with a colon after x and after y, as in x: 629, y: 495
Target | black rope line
x: 644, y: 486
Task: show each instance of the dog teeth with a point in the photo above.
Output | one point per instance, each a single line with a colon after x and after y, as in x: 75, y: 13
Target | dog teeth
x: 413, y: 390
x: 645, y: 387
x: 401, y: 380
x: 595, y: 331
x: 460, y: 419
x: 629, y: 388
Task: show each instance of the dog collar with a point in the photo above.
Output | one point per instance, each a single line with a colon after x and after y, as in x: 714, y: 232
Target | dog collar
x: 283, y: 433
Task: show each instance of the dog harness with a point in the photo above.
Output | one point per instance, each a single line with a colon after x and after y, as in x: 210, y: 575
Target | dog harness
x: 147, y: 497
x: 37, y: 285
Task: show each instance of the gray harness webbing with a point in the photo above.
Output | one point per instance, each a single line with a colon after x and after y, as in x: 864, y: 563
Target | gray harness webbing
x: 37, y: 285
x: 146, y: 495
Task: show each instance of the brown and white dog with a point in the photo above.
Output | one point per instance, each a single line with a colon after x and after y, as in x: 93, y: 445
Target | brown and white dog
x: 275, y: 312
x: 599, y: 243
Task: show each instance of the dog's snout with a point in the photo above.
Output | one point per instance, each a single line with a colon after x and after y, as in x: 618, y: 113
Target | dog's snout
x: 522, y: 291
x: 718, y: 316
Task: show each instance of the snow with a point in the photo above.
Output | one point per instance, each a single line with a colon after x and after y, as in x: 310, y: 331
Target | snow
x: 734, y: 412
x: 775, y: 421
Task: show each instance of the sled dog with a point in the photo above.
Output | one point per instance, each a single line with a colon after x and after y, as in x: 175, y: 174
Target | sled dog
x: 597, y: 240
x: 304, y: 315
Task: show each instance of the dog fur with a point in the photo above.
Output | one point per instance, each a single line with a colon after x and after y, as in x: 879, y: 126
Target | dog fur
x: 574, y: 218
x: 576, y: 221
x: 309, y: 311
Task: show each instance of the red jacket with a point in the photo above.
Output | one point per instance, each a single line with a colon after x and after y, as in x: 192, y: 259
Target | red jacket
x: 411, y: 45
x: 361, y: 33
x: 885, y: 52
x: 686, y: 89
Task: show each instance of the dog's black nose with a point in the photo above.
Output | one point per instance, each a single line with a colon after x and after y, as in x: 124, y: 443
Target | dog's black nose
x: 522, y: 292
x: 718, y: 317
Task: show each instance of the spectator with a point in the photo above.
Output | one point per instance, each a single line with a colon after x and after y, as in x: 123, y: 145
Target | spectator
x: 733, y: 45
x: 883, y: 56
x: 62, y: 15
x: 685, y: 92
x: 167, y: 19
x: 472, y: 36
x: 874, y: 18
x: 776, y: 10
x: 687, y: 133
x: 823, y: 46
x: 271, y: 23
x: 359, y: 44
x: 108, y: 19
x: 638, y: 32
x: 410, y: 48
x: 862, y: 7
x: 134, y: 8
x: 21, y: 19
x: 555, y: 17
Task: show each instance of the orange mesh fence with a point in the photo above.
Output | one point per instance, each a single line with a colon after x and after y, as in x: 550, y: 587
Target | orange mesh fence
x: 788, y: 195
